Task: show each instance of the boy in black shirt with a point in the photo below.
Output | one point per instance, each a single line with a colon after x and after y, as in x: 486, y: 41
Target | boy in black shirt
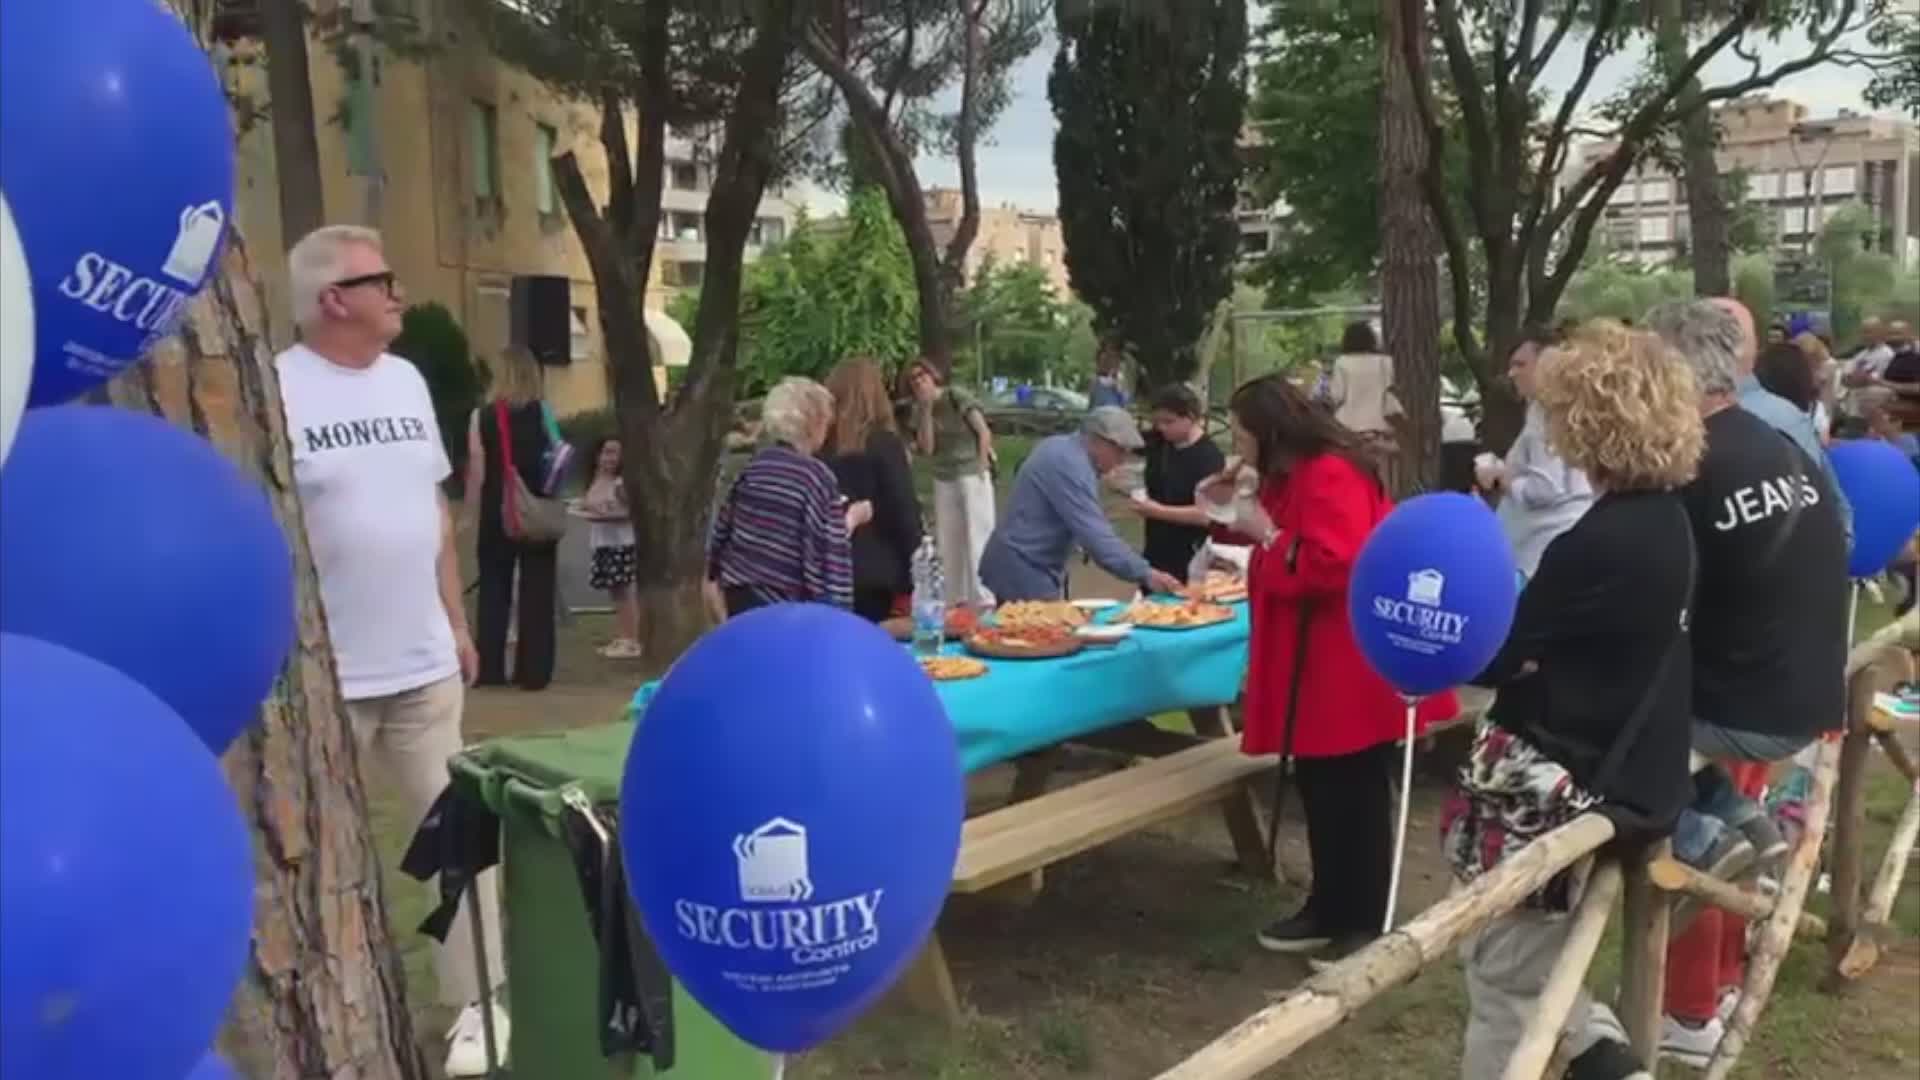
x: 1179, y: 456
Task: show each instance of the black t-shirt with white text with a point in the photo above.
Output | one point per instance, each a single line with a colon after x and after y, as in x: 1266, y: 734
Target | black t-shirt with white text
x: 1172, y: 474
x: 1770, y: 613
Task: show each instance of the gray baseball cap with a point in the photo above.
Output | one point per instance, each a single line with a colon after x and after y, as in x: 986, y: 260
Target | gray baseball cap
x: 1114, y: 424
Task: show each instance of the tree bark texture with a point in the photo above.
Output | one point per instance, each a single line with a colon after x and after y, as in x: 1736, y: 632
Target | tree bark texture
x: 1409, y: 271
x: 296, y: 149
x: 324, y: 996
x: 1707, y: 211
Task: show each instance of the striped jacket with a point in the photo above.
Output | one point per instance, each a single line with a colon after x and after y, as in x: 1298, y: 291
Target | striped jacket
x: 781, y: 532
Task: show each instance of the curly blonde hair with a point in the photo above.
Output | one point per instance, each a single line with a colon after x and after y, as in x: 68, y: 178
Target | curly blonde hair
x: 1623, y: 406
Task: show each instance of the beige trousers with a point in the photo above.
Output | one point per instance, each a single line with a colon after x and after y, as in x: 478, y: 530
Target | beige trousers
x: 963, y: 511
x: 411, y: 735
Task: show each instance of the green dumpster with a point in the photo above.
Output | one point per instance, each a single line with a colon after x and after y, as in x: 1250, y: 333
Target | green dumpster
x: 532, y: 782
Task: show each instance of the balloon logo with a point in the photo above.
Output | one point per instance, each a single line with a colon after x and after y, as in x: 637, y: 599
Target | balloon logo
x: 1433, y: 592
x: 1883, y: 487
x: 116, y: 154
x: 16, y: 330
x: 126, y: 875
x: 135, y: 543
x: 790, y: 815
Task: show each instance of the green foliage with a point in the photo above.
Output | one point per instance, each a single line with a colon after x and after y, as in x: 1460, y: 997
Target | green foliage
x: 1314, y: 116
x: 1150, y: 104
x: 432, y: 340
x: 1896, y: 82
x: 1753, y: 285
x: 1020, y: 326
x: 1619, y: 289
x: 1751, y: 226
x: 827, y: 293
x: 1863, y: 280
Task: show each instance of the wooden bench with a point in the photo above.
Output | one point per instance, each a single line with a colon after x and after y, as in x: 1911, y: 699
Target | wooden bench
x: 1020, y: 840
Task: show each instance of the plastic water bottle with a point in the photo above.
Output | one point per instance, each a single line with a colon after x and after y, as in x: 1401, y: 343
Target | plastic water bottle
x: 929, y: 601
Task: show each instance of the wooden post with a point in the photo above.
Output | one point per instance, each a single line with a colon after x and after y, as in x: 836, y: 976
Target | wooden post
x: 1647, y: 919
x: 1320, y: 1003
x: 1886, y: 886
x: 1776, y: 935
x: 1239, y: 810
x: 1849, y: 810
x: 1674, y: 876
x: 1569, y: 975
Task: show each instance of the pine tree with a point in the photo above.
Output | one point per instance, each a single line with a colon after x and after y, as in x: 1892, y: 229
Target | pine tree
x: 1150, y: 98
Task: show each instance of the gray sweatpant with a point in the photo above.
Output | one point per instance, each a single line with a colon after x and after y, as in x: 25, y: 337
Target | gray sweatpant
x: 1507, y: 966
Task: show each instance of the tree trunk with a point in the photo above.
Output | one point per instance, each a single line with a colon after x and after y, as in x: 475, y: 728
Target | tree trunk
x: 296, y: 149
x: 324, y: 996
x: 1707, y: 211
x: 1409, y: 270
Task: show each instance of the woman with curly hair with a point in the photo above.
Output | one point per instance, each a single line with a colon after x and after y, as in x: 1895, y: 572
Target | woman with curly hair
x: 1594, y: 681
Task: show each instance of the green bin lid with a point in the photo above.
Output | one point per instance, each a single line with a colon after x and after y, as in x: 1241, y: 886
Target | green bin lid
x: 525, y: 774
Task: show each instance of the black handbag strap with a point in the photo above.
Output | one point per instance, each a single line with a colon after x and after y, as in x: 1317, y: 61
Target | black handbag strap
x: 1629, y: 731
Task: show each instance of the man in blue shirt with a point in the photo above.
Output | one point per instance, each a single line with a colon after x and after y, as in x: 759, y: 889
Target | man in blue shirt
x: 1779, y: 413
x: 1055, y: 505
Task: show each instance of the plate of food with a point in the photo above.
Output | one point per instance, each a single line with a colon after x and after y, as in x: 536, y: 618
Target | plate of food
x: 1024, y: 614
x: 961, y: 621
x: 1023, y: 643
x: 950, y: 668
x: 1103, y: 633
x: 1179, y: 615
x: 1219, y: 587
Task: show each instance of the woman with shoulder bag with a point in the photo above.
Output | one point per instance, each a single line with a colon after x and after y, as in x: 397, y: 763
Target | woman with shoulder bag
x: 510, y: 446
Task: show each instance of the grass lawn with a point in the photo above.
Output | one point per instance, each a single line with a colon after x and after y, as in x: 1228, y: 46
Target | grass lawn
x: 1141, y: 951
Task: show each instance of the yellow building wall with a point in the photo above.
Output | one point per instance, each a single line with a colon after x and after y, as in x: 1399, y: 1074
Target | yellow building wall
x: 445, y: 245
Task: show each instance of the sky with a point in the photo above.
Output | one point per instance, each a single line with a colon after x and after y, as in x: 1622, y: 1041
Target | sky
x: 1016, y: 164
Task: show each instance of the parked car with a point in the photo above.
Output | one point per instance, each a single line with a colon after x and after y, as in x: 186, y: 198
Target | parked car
x: 1042, y: 398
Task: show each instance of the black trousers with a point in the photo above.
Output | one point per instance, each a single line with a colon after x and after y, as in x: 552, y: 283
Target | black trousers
x: 1349, y: 807
x: 537, y: 566
x: 873, y: 605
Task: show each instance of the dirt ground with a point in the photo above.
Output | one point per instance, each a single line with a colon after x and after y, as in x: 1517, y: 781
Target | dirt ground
x: 1141, y: 951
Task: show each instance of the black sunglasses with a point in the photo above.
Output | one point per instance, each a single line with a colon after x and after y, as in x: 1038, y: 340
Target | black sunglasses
x: 384, y: 279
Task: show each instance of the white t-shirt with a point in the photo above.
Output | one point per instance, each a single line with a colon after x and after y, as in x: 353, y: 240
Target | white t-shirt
x: 367, y: 459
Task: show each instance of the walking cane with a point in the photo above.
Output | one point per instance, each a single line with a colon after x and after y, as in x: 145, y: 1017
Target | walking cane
x: 1293, y: 713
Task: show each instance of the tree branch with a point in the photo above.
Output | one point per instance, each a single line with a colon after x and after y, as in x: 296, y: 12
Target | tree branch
x: 1537, y: 62
x: 1465, y: 77
x: 656, y: 82
x: 613, y: 140
x: 619, y: 296
x: 1558, y: 136
x: 1433, y: 180
x: 966, y: 139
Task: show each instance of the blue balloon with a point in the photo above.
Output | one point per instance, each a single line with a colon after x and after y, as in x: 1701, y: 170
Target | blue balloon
x: 134, y: 542
x: 1433, y: 592
x: 126, y: 875
x: 213, y: 1067
x: 116, y: 154
x: 1883, y: 487
x: 790, y: 814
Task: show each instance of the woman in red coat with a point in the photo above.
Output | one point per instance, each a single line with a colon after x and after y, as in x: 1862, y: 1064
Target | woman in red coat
x: 1319, y: 498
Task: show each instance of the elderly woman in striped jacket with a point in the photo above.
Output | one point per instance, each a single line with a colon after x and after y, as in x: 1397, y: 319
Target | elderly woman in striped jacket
x: 782, y: 532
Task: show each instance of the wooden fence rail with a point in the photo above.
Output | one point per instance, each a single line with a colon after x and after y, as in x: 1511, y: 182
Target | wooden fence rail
x: 1650, y: 881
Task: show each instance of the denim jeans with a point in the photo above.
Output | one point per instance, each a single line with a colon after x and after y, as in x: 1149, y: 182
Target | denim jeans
x: 1717, y: 805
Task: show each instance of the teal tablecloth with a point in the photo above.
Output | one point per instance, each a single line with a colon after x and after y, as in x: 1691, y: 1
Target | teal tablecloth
x: 1020, y: 706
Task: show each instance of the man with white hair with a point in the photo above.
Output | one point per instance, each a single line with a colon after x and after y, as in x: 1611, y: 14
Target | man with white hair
x: 1769, y: 635
x: 368, y: 462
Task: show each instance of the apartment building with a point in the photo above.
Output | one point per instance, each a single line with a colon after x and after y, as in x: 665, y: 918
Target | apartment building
x: 446, y: 150
x: 1802, y: 169
x: 1007, y: 235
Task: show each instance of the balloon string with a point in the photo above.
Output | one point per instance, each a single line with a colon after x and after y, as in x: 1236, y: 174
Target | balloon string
x: 779, y: 1066
x: 1400, y: 829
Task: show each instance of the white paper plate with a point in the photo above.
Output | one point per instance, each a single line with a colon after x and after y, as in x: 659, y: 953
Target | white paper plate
x: 1103, y: 633
x: 1094, y: 604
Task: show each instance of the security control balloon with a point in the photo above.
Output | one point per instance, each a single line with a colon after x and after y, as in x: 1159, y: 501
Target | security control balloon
x: 116, y: 156
x: 16, y: 329
x: 1433, y: 593
x: 1883, y: 487
x: 790, y: 815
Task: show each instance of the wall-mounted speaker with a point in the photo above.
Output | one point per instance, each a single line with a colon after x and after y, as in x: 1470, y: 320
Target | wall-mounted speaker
x: 542, y: 318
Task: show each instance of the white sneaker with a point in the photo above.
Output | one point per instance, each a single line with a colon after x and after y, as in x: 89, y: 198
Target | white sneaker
x: 621, y: 649
x: 1691, y: 1046
x: 467, y: 1041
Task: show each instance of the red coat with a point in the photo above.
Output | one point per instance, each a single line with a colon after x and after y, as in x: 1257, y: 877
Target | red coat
x: 1329, y: 506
